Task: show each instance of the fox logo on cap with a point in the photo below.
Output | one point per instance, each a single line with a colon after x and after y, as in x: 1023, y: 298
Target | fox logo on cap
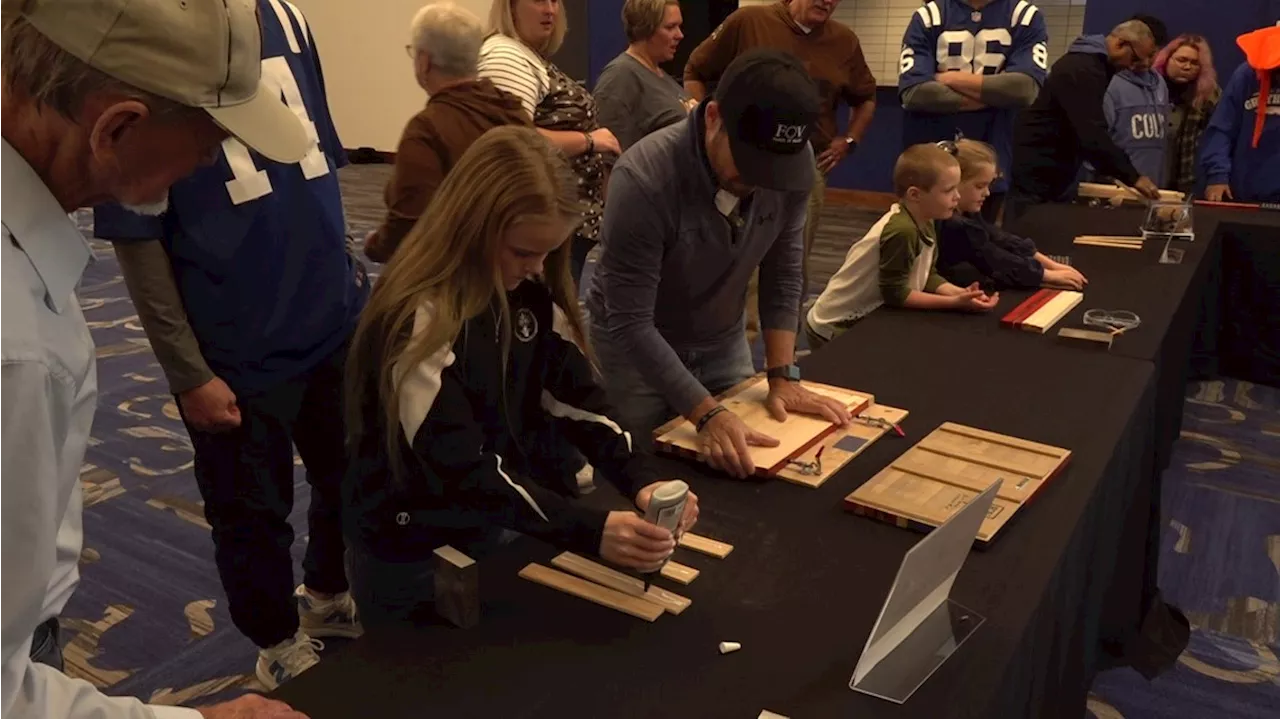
x: 790, y: 134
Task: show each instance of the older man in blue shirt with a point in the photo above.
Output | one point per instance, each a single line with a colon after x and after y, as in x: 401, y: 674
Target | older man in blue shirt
x: 101, y: 101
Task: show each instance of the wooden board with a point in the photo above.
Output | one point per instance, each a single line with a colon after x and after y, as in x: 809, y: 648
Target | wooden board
x: 1055, y: 309
x: 625, y: 583
x: 678, y: 572
x: 948, y: 468
x: 795, y: 436
x: 670, y: 601
x: 711, y: 547
x: 835, y: 454
x: 1119, y: 194
x: 1042, y: 310
x: 581, y: 588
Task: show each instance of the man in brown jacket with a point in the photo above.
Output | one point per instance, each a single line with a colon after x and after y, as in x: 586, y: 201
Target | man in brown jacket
x: 831, y: 54
x: 460, y: 108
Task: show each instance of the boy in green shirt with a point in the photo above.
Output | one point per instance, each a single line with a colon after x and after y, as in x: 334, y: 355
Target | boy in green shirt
x: 894, y: 263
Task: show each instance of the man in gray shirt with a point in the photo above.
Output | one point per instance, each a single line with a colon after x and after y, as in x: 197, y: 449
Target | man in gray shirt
x: 693, y: 210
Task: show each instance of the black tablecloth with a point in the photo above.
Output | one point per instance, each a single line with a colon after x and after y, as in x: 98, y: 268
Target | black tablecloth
x: 806, y: 580
x: 1170, y: 298
x: 1246, y: 338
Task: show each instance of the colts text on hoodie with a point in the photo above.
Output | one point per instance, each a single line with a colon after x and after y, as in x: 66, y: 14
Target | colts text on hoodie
x: 1137, y: 109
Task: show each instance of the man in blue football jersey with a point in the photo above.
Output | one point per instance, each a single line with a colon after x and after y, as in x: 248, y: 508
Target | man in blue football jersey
x: 966, y: 68
x: 248, y: 293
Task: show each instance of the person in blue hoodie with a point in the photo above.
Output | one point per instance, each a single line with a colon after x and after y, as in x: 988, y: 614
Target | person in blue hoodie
x: 1065, y: 126
x: 1241, y: 147
x: 1137, y: 109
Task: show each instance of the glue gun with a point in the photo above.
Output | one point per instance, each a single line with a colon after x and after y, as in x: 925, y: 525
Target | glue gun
x: 666, y: 506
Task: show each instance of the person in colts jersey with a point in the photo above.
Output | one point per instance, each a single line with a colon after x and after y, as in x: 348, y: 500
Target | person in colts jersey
x: 966, y: 68
x: 248, y: 293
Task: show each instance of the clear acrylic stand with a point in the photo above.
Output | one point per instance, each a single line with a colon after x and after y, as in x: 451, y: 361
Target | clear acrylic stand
x: 919, y: 626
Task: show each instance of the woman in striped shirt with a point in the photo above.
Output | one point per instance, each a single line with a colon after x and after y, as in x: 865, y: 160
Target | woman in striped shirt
x: 523, y: 35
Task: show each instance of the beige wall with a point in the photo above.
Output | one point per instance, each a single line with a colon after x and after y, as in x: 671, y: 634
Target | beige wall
x: 368, y: 77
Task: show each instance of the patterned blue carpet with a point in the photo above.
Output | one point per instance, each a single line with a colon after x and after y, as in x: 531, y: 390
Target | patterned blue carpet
x: 150, y: 619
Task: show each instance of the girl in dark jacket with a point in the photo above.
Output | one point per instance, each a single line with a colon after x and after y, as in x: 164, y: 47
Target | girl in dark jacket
x: 469, y: 377
x: 970, y: 249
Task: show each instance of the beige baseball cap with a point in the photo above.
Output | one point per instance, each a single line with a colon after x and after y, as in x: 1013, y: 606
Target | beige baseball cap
x: 200, y: 53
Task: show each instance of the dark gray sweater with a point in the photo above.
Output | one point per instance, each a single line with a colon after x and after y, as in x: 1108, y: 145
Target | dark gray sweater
x: 674, y: 271
x: 634, y: 100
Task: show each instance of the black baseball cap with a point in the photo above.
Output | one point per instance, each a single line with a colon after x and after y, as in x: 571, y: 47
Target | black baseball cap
x: 770, y: 107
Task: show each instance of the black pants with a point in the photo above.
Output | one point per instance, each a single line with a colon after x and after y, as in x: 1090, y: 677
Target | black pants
x: 246, y: 480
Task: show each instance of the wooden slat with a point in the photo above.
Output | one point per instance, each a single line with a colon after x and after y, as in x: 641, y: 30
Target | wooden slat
x: 581, y: 588
x: 1032, y: 465
x: 625, y: 583
x: 966, y: 475
x: 1004, y: 439
x: 925, y: 501
x: 598, y: 573
x: 678, y: 572
x: 670, y: 601
x: 1053, y: 311
x: 712, y: 547
x: 454, y: 557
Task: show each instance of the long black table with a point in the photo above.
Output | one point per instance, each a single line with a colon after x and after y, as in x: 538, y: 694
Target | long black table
x: 1246, y: 338
x: 806, y: 580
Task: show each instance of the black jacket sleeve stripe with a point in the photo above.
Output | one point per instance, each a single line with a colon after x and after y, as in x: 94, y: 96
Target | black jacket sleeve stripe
x: 572, y: 396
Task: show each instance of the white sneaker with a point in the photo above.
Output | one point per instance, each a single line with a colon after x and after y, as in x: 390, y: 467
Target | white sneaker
x: 288, y: 659
x: 336, y: 617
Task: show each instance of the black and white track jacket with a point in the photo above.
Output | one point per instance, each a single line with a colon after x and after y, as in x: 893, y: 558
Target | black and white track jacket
x: 483, y: 449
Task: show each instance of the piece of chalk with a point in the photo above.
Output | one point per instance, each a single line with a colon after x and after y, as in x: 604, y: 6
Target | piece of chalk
x: 726, y: 647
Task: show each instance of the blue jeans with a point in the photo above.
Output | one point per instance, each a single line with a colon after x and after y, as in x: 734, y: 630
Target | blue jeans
x: 641, y: 408
x: 45, y: 645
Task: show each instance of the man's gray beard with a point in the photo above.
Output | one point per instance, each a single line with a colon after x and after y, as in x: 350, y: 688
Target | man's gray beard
x: 150, y: 209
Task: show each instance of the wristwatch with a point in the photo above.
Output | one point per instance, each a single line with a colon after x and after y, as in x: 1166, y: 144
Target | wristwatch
x: 789, y: 372
x: 852, y: 143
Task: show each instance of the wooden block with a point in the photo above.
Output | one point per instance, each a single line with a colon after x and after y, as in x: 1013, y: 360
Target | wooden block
x: 698, y: 543
x: 670, y: 601
x: 835, y: 456
x: 678, y: 572
x: 581, y: 588
x: 598, y: 573
x: 797, y: 435
x: 457, y: 585
x: 1092, y: 337
x: 1052, y: 311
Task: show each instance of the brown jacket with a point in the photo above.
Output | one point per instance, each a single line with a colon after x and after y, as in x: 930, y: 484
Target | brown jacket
x: 831, y: 54
x: 431, y: 145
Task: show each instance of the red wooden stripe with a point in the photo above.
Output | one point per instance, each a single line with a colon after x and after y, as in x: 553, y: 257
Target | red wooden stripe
x: 773, y: 471
x: 1028, y: 308
x: 1019, y: 313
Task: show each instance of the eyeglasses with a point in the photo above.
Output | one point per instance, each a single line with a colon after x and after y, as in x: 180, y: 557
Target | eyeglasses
x: 408, y: 50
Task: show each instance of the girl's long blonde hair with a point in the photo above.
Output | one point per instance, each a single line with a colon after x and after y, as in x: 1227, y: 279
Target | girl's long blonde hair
x: 449, y: 263
x: 972, y: 154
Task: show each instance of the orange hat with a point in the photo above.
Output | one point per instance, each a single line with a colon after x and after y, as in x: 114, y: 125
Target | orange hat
x: 1262, y: 52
